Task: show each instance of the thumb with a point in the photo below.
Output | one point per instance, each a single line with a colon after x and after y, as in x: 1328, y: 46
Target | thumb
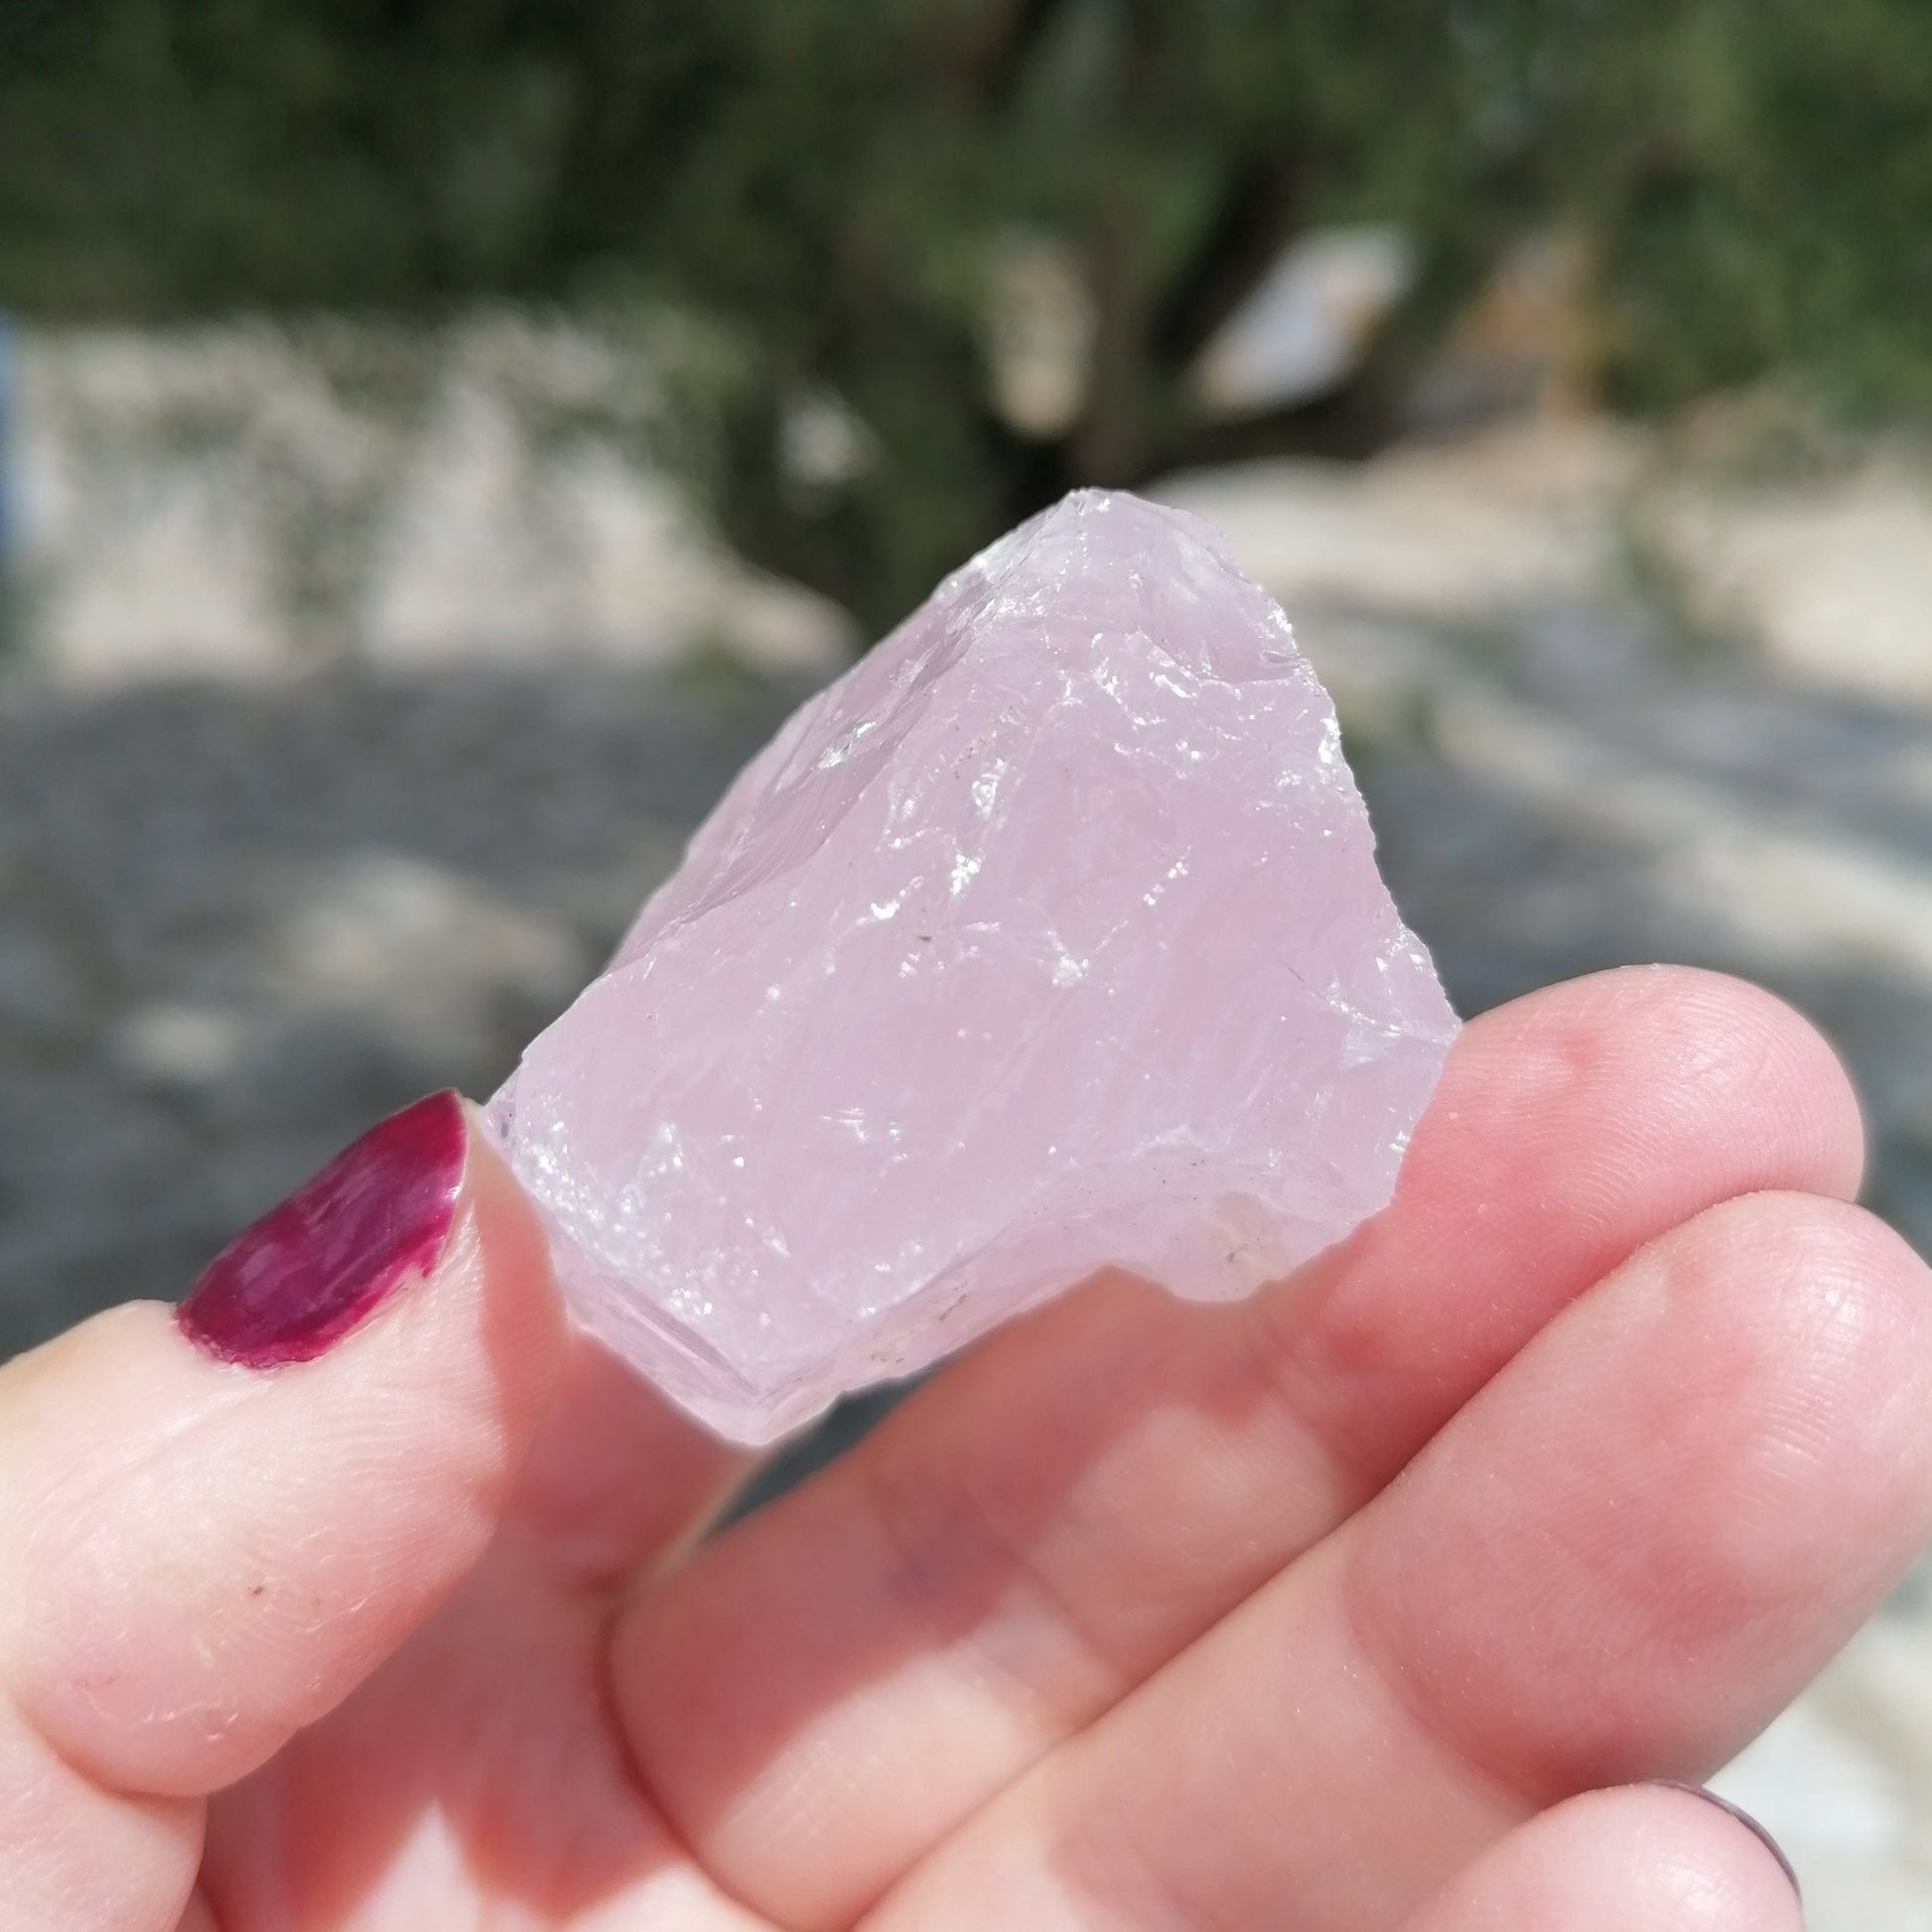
x: 215, y: 1521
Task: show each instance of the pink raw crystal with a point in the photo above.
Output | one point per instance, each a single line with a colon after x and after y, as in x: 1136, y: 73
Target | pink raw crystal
x: 1050, y: 936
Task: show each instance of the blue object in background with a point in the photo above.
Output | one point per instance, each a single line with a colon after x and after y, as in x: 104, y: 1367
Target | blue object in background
x: 8, y: 533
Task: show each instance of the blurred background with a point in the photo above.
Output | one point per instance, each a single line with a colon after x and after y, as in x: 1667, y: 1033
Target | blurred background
x: 440, y: 438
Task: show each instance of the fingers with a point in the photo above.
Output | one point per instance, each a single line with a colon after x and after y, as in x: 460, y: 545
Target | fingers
x: 1642, y: 1859
x: 1691, y: 1495
x: 1618, y: 1563
x: 200, y: 1555
x: 75, y: 1859
x: 1057, y: 1516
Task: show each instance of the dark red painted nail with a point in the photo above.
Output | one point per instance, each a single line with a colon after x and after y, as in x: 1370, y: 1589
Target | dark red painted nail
x: 306, y: 1273
x: 1744, y: 1818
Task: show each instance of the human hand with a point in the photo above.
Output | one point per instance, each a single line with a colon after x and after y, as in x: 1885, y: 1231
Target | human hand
x: 1318, y: 1612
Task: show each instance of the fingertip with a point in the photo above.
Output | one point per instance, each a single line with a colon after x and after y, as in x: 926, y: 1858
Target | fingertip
x: 1694, y: 1054
x: 207, y: 1548
x: 1739, y: 1816
x: 1771, y: 1057
x: 1685, y: 1497
x: 1637, y: 1858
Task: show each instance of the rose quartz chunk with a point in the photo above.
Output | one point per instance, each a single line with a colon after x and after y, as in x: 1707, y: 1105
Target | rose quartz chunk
x: 1048, y: 938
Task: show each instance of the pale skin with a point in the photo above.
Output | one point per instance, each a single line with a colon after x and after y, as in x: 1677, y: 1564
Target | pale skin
x: 1371, y: 1604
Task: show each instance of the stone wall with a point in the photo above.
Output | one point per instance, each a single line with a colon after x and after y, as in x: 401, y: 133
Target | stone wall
x: 252, y: 501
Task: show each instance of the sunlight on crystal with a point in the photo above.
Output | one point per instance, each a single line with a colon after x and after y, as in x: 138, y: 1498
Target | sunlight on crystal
x: 1175, y: 1026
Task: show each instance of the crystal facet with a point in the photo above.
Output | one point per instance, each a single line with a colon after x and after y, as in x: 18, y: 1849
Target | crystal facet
x: 1049, y: 937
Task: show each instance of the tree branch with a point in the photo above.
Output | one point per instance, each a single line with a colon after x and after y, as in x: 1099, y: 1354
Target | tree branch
x: 1003, y: 35
x: 1265, y: 204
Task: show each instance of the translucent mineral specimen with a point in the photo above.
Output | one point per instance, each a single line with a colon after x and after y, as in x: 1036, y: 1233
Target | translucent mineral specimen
x: 1049, y: 937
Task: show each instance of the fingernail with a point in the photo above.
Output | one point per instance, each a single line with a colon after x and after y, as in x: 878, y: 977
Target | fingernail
x: 1744, y: 1818
x: 303, y: 1275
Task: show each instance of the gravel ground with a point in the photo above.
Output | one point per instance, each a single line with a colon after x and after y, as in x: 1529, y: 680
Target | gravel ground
x: 237, y: 919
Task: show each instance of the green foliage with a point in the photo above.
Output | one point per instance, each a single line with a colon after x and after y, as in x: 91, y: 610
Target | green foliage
x: 824, y: 188
x: 1766, y: 202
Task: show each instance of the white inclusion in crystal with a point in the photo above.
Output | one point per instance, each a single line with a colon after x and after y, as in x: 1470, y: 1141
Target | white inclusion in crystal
x: 837, y: 752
